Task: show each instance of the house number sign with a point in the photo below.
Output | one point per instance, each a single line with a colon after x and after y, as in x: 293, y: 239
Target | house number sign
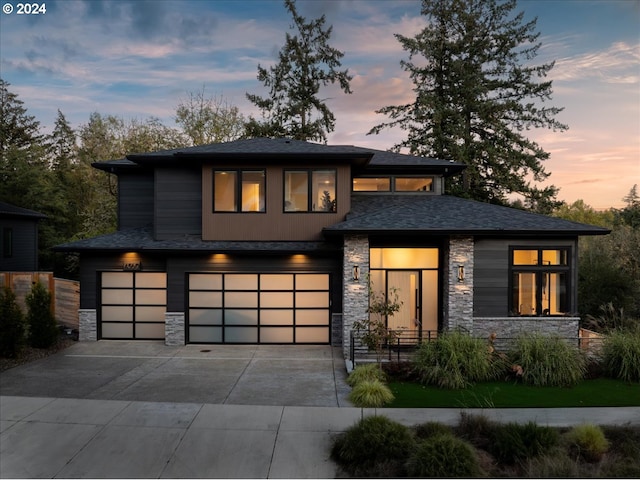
x: 132, y: 266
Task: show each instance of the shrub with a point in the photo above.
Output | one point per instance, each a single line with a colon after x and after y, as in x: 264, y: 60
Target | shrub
x: 373, y: 444
x: 621, y: 355
x: 587, y: 441
x: 477, y: 429
x: 371, y: 394
x: 443, y: 455
x: 12, y: 325
x: 431, y: 429
x: 369, y: 371
x: 513, y: 442
x: 557, y: 465
x: 548, y: 360
x: 455, y: 360
x: 43, y: 331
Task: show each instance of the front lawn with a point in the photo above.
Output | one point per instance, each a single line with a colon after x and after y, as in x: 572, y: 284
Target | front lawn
x: 600, y: 392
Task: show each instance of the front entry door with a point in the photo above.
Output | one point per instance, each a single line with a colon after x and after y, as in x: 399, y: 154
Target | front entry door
x: 407, y: 286
x: 418, y: 292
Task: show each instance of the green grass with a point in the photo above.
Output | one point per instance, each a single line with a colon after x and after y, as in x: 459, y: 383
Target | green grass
x: 600, y: 392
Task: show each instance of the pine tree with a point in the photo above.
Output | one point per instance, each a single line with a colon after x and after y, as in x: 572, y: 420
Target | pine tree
x: 306, y: 63
x: 477, y: 93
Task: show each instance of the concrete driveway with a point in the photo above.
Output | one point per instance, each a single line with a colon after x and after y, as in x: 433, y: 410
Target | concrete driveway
x: 283, y: 375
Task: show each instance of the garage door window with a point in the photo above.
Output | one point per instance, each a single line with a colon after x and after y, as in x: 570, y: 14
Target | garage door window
x: 259, y: 308
x: 133, y: 305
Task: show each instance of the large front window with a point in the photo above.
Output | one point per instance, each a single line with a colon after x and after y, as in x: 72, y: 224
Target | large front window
x: 540, y: 281
x: 310, y: 191
x: 238, y: 191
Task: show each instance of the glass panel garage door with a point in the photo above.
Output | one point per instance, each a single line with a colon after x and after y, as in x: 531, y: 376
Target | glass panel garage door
x: 258, y: 308
x: 133, y: 305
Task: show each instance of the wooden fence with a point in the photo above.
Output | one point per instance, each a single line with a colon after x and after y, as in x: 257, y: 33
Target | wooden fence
x: 65, y: 298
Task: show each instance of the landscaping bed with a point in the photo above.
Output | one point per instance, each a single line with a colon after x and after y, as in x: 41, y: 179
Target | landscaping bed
x: 479, y: 448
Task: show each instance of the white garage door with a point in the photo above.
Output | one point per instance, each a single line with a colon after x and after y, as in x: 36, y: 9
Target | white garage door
x: 133, y: 305
x: 258, y: 308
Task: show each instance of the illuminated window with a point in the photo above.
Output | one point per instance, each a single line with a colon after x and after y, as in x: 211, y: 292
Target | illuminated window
x: 310, y: 191
x: 235, y: 190
x: 413, y: 184
x: 393, y: 183
x: 364, y: 184
x: 540, y: 281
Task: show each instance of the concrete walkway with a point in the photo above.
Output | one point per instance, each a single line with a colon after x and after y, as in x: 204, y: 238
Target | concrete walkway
x: 144, y: 410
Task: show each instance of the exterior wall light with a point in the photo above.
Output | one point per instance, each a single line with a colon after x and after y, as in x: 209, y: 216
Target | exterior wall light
x: 461, y: 273
x: 356, y: 273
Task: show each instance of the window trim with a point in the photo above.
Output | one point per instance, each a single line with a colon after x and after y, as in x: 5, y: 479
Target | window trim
x: 238, y: 190
x: 540, y: 270
x: 309, y: 172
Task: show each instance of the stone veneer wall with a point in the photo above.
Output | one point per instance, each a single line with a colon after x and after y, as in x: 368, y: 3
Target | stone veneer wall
x: 355, y: 295
x: 459, y: 307
x: 174, y: 333
x: 87, y: 325
x: 509, y: 328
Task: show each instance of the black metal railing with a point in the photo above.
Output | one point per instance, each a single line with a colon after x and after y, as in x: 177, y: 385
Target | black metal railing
x: 405, y: 344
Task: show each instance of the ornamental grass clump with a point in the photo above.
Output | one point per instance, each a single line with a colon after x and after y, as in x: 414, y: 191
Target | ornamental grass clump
x: 366, y: 372
x: 621, y: 355
x: 587, y: 441
x: 456, y: 360
x: 548, y: 360
x: 371, y: 394
x: 513, y: 442
x: 443, y: 455
x: 375, y: 446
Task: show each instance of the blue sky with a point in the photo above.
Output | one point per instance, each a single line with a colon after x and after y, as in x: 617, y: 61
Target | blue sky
x: 139, y: 58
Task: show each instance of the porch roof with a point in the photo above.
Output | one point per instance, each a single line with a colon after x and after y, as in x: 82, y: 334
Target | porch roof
x: 141, y: 239
x: 444, y: 214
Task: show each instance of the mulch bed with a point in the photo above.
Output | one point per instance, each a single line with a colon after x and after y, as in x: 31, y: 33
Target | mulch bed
x: 30, y: 354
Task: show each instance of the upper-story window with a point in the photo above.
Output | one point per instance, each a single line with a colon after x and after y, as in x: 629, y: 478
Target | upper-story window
x: 393, y: 184
x: 309, y: 190
x: 540, y: 281
x: 238, y: 190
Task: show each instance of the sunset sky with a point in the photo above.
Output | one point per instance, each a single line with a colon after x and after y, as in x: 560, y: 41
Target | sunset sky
x: 137, y: 59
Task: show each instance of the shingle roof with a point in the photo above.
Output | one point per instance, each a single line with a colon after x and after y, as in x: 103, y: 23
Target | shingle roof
x: 8, y: 210
x: 449, y: 215
x: 280, y: 149
x: 141, y: 239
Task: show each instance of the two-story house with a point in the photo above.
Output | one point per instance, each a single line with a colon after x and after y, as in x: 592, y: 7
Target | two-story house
x: 275, y: 241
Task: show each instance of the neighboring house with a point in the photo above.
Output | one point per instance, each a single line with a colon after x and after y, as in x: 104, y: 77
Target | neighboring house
x: 18, y: 238
x: 273, y: 241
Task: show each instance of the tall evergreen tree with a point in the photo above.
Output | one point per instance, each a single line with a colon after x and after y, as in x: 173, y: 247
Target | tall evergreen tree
x: 477, y: 95
x: 306, y: 63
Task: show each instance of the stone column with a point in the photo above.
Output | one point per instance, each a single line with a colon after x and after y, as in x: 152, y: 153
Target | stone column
x: 87, y: 325
x: 174, y: 332
x: 355, y: 294
x: 460, y: 292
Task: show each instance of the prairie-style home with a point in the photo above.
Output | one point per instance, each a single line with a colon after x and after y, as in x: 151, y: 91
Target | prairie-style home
x: 275, y: 241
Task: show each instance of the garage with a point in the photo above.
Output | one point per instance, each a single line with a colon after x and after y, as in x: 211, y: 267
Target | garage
x: 133, y: 305
x: 263, y: 308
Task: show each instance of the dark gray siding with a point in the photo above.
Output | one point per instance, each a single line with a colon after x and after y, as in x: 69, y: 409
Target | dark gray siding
x: 491, y: 273
x: 178, y: 267
x: 135, y: 199
x: 24, y: 255
x: 178, y: 200
x: 90, y: 266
